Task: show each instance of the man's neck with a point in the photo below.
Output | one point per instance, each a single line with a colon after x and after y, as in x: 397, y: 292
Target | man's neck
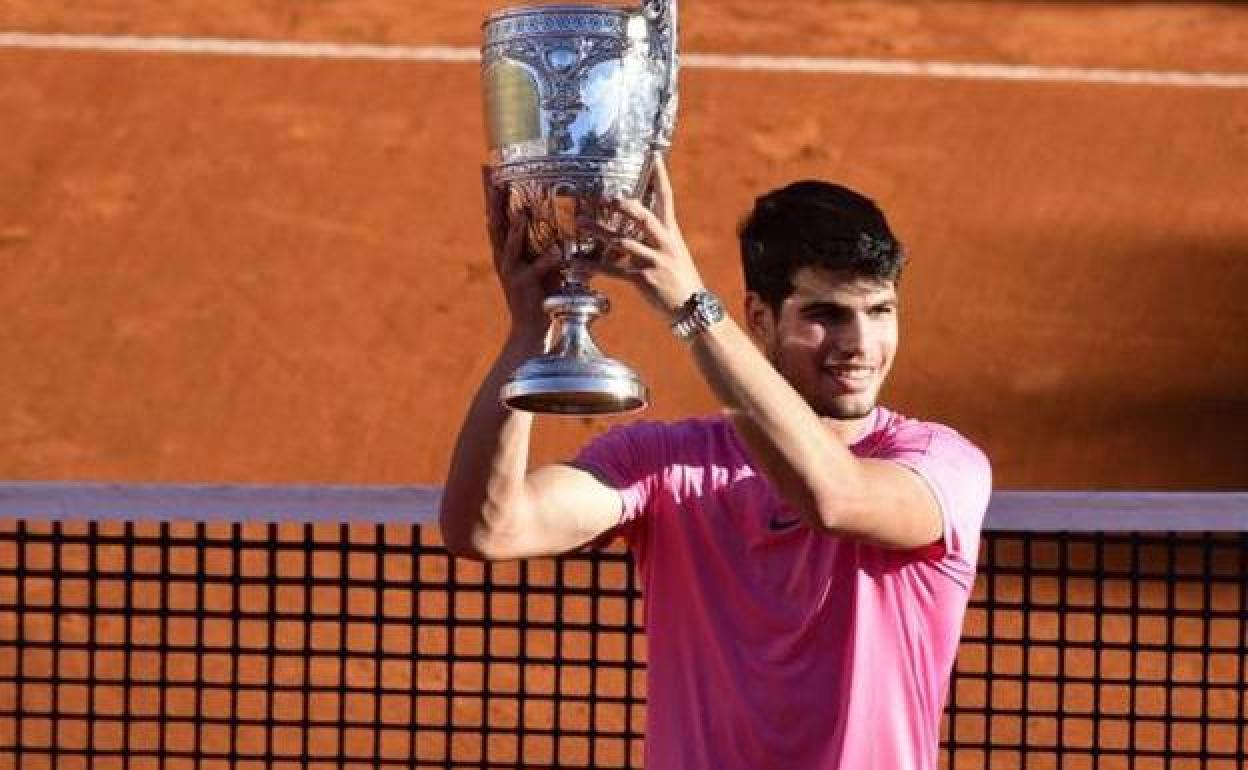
x: 850, y: 431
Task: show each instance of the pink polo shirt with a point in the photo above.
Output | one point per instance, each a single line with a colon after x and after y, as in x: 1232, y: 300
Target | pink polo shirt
x: 771, y: 645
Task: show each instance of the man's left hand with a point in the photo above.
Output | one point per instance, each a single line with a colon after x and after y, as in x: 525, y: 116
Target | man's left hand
x: 658, y: 263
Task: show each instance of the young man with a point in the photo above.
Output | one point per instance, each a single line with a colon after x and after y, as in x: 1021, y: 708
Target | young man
x: 807, y: 557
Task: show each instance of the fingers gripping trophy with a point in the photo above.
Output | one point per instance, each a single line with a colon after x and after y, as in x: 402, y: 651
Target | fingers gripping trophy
x: 578, y: 99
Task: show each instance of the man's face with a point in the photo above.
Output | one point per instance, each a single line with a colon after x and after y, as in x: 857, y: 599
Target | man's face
x: 833, y: 339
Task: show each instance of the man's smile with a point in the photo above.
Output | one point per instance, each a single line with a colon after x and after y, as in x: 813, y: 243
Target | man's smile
x: 851, y: 376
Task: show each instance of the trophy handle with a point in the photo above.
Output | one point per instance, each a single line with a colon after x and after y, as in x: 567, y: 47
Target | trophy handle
x: 664, y: 19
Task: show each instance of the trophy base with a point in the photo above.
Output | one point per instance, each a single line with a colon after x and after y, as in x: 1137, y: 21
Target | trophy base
x: 574, y: 386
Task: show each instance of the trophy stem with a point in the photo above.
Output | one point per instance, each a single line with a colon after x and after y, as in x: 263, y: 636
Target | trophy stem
x: 573, y: 309
x: 575, y: 272
x: 574, y: 377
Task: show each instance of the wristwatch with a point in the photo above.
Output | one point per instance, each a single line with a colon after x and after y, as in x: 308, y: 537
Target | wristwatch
x: 699, y: 313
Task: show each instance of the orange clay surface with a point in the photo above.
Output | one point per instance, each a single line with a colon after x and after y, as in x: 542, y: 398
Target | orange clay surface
x: 275, y: 270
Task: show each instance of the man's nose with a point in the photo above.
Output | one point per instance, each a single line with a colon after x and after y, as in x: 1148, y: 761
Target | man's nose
x: 851, y: 337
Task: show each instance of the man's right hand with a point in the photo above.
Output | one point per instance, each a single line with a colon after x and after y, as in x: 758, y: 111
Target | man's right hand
x: 526, y: 278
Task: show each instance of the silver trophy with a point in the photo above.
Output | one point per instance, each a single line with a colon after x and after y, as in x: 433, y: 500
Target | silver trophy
x: 577, y: 100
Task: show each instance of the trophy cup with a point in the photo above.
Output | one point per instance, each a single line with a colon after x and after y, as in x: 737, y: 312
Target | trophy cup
x: 577, y: 100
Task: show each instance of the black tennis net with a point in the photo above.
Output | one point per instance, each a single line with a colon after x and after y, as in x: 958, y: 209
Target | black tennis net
x: 232, y: 645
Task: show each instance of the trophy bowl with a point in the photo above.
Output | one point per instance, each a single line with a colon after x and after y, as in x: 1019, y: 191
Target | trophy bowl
x: 578, y: 98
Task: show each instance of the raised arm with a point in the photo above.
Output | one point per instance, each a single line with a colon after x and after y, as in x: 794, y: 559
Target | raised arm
x: 493, y: 505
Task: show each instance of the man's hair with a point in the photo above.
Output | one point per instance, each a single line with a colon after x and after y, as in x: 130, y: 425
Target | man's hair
x: 815, y: 224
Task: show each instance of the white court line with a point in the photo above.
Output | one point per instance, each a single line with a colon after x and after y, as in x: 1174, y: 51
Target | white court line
x: 1010, y: 510
x: 708, y: 61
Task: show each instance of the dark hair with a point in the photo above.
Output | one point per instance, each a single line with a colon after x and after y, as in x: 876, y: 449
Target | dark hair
x: 815, y: 224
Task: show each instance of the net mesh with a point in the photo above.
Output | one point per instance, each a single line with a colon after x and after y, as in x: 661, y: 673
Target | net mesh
x: 172, y: 645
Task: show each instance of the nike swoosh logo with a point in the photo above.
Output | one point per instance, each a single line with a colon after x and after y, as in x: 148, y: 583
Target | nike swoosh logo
x: 776, y: 525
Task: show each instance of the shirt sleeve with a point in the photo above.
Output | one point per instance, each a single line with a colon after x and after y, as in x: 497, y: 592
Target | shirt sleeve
x: 629, y: 459
x: 958, y: 474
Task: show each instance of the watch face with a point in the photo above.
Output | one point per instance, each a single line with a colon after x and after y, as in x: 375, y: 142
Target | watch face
x: 710, y: 305
x: 700, y: 312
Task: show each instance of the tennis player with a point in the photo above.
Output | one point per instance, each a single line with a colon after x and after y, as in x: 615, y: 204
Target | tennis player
x: 807, y: 555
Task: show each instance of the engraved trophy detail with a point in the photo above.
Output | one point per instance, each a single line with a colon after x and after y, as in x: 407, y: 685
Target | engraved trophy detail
x: 577, y: 98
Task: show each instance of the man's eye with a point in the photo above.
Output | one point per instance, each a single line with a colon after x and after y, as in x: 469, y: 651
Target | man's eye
x: 883, y: 310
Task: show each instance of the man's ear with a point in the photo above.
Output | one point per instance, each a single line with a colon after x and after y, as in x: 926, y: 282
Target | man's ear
x: 760, y: 319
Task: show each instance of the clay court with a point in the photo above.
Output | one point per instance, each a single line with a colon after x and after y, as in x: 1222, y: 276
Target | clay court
x: 272, y: 268
x: 268, y: 265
